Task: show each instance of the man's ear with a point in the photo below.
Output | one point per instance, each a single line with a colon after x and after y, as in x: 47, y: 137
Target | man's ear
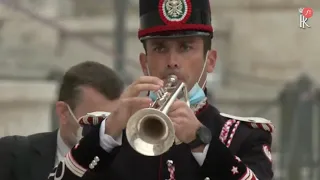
x: 143, y: 63
x: 62, y: 112
x: 212, y: 59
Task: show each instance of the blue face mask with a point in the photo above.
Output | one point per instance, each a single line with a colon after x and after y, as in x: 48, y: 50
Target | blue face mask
x: 196, y: 95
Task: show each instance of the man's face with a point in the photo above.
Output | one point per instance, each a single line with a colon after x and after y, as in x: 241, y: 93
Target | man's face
x: 183, y: 57
x: 89, y: 100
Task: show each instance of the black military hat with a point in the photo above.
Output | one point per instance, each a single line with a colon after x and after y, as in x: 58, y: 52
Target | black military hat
x: 173, y: 18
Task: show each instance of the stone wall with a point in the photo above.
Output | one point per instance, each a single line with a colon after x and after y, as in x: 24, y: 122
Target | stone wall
x: 25, y: 107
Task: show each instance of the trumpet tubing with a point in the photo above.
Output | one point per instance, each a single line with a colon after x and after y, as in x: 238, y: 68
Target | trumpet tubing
x: 150, y: 131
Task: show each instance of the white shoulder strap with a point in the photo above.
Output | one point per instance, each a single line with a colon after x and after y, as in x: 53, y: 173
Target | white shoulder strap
x: 247, y: 119
x: 99, y: 113
x: 93, y: 118
x: 254, y: 122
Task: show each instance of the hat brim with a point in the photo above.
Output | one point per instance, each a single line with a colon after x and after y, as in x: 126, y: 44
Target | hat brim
x: 175, y: 34
x: 174, y: 31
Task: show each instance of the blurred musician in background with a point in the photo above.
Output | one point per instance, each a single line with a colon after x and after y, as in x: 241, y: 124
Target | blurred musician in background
x: 85, y: 87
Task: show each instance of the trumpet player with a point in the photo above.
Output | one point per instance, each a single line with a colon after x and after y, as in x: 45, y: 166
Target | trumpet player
x: 176, y: 36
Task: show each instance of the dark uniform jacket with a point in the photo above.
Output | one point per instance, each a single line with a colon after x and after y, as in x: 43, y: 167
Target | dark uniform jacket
x: 239, y: 150
x: 27, y: 157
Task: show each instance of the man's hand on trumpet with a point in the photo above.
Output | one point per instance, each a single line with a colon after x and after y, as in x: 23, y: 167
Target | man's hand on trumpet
x: 185, y: 122
x: 130, y: 103
x: 144, y: 83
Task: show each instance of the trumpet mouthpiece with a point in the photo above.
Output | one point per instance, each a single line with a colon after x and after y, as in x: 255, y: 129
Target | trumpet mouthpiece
x: 172, y: 78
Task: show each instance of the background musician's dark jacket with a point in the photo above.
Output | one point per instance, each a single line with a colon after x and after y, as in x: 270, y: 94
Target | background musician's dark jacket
x: 123, y: 163
x: 27, y: 157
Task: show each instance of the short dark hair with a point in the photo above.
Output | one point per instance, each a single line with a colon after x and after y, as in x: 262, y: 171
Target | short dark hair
x: 92, y: 74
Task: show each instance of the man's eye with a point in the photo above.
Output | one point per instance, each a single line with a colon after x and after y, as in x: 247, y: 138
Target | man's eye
x: 159, y: 49
x: 185, y: 47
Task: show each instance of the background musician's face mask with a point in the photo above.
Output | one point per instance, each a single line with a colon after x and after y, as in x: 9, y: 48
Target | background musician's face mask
x: 79, y: 132
x: 196, y: 94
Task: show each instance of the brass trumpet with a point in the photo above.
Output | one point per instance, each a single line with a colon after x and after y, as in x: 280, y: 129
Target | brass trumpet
x: 150, y: 131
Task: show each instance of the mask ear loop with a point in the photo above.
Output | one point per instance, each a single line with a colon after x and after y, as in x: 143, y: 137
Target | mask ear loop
x: 73, y: 116
x: 148, y: 71
x: 148, y: 74
x: 80, y: 129
x: 202, y: 71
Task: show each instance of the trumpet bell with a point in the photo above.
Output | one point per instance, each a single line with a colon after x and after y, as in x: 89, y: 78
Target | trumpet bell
x: 150, y: 132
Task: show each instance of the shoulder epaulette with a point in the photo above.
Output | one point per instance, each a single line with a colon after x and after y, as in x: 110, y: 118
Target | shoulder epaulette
x: 93, y: 118
x: 254, y: 122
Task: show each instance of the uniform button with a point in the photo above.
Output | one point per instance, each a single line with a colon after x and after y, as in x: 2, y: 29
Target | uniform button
x: 96, y: 159
x: 169, y: 162
x: 94, y: 162
x: 207, y: 178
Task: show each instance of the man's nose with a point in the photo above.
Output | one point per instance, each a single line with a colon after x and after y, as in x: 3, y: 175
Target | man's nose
x: 173, y: 61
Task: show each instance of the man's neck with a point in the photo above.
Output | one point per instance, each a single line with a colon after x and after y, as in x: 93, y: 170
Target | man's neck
x: 63, y: 145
